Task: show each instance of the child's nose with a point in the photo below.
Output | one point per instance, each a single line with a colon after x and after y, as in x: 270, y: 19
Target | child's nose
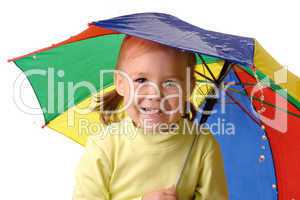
x: 153, y: 94
x: 153, y: 97
x: 151, y: 91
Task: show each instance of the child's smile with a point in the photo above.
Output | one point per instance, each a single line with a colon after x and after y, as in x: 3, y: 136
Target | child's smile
x: 156, y: 87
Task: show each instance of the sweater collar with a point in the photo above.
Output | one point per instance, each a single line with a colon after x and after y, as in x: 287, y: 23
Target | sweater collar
x: 156, y: 140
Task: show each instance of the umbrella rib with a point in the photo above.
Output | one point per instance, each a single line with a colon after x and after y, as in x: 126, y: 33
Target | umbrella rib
x: 205, y: 75
x: 206, y: 66
x: 211, y: 102
x: 200, y: 90
x: 265, y: 102
x: 243, y: 108
x: 202, y: 75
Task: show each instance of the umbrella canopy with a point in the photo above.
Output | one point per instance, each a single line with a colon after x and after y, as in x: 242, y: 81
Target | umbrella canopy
x: 261, y: 162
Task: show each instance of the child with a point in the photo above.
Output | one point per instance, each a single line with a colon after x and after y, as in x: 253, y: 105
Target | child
x: 151, y: 153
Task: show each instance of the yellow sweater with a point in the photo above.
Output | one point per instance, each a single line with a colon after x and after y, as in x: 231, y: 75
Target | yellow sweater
x: 123, y: 163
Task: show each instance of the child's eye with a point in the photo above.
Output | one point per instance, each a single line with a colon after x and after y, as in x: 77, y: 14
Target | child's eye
x: 140, y: 80
x: 169, y: 83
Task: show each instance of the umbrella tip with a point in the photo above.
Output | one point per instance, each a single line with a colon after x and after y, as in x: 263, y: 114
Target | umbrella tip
x: 44, y: 126
x: 11, y: 59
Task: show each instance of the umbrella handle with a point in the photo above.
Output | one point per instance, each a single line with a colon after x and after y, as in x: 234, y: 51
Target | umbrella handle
x: 179, y: 177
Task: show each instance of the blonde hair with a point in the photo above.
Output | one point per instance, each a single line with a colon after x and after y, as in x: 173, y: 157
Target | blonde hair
x: 133, y: 47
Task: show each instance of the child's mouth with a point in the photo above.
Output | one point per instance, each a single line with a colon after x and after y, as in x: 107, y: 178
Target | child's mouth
x: 149, y: 110
x: 152, y: 114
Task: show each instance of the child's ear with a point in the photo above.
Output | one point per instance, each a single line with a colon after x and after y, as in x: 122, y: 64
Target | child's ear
x: 119, y: 84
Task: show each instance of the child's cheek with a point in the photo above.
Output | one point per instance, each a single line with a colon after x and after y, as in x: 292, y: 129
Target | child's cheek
x: 171, y: 105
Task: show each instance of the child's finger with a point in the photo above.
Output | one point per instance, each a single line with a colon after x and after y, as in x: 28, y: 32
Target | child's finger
x: 170, y: 191
x: 172, y: 188
x: 170, y: 198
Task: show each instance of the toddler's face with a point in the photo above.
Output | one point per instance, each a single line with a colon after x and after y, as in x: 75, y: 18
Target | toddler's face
x: 156, y: 88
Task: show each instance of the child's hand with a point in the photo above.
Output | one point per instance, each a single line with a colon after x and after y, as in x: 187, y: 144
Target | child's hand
x: 162, y: 194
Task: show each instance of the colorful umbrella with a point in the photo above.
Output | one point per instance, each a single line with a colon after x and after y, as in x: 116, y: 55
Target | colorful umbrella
x: 261, y: 158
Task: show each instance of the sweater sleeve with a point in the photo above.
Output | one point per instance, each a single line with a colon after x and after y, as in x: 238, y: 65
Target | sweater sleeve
x: 92, y: 175
x: 212, y: 181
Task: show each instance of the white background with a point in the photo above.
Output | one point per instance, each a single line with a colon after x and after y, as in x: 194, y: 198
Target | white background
x: 39, y: 163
